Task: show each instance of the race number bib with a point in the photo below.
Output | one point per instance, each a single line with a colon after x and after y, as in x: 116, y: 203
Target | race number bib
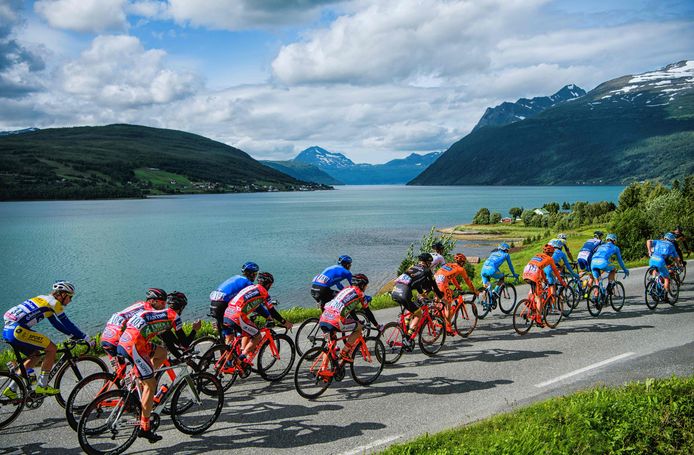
x: 404, y: 279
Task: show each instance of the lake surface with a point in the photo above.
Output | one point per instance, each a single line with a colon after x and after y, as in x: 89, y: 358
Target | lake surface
x: 113, y: 250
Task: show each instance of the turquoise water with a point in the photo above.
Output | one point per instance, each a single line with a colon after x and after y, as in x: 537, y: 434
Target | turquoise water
x: 113, y: 250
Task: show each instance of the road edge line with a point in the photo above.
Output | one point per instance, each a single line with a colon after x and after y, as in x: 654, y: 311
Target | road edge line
x: 584, y: 369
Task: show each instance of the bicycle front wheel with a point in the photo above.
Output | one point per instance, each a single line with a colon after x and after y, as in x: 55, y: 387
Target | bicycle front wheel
x: 465, y: 319
x: 309, y: 335
x: 594, y: 300
x: 674, y: 292
x: 507, y: 298
x: 485, y: 302
x: 617, y: 297
x: 84, y: 393
x: 523, y: 317
x: 196, y: 403
x: 13, y: 395
x: 275, y: 366
x: 651, y: 295
x: 392, y: 337
x: 109, y: 424
x: 432, y: 335
x: 368, y: 361
x: 553, y: 311
x: 314, y: 373
x: 211, y: 363
x: 568, y: 298
x: 73, y: 371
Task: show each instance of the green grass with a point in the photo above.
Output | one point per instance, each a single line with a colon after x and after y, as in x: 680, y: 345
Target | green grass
x: 650, y: 417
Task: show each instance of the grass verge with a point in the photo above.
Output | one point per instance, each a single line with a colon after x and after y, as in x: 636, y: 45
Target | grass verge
x: 654, y: 416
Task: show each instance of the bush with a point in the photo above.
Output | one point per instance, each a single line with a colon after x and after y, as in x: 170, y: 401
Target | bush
x: 495, y: 218
x: 426, y: 247
x: 481, y: 217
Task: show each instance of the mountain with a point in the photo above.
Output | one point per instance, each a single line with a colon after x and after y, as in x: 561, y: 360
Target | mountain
x: 25, y: 130
x: 627, y: 129
x: 303, y: 171
x: 342, y: 169
x: 507, y: 113
x: 128, y: 161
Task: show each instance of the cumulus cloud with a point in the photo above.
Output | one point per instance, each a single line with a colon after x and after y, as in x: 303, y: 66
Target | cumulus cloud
x: 84, y: 15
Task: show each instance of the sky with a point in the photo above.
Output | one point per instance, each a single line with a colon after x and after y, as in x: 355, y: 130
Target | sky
x: 373, y: 79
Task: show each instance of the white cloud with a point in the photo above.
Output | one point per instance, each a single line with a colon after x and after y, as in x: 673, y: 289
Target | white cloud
x: 84, y: 15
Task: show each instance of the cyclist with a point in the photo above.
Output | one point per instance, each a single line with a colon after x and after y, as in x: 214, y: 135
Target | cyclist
x: 18, y: 332
x: 137, y: 346
x: 601, y: 260
x: 321, y: 286
x: 680, y: 238
x: 437, y: 256
x: 155, y: 299
x: 660, y: 252
x: 562, y: 237
x: 534, y: 274
x: 490, y: 268
x: 444, y: 277
x: 560, y: 260
x: 220, y: 298
x: 338, y: 314
x: 254, y: 298
x: 585, y: 255
x: 419, y: 278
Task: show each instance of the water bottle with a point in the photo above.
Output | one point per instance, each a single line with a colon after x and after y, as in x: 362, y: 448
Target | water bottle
x: 32, y: 376
x: 161, y: 393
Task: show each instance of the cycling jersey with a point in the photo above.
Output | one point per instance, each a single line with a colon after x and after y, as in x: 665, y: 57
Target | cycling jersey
x: 447, y: 274
x: 220, y: 298
x: 345, y: 302
x: 418, y: 278
x: 437, y: 262
x: 663, y: 250
x: 332, y: 276
x: 560, y: 259
x: 116, y: 325
x: 490, y: 268
x: 535, y: 269
x: 34, y: 310
x: 585, y: 254
x: 254, y: 298
x: 601, y: 259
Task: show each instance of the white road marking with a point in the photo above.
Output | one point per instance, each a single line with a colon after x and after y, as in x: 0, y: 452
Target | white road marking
x: 584, y: 369
x: 364, y: 449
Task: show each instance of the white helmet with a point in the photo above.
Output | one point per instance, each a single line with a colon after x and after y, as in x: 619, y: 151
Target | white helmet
x: 64, y: 286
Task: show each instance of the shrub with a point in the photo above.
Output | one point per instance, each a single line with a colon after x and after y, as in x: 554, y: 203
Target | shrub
x: 481, y: 217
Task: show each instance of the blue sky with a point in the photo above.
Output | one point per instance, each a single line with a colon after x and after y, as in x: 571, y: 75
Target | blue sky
x: 374, y: 79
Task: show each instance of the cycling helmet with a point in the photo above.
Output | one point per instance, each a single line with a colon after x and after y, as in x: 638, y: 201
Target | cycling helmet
x: 437, y: 246
x: 344, y: 259
x: 670, y: 236
x: 548, y: 249
x: 556, y: 243
x: 426, y: 257
x: 250, y: 267
x: 360, y: 280
x: 598, y: 234
x: 460, y: 258
x: 561, y: 236
x: 156, y: 294
x: 177, y: 301
x: 266, y: 279
x: 64, y: 286
x: 504, y: 246
x: 612, y: 237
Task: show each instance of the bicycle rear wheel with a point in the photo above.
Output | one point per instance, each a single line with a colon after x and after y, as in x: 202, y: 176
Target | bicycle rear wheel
x: 191, y: 415
x: 210, y: 363
x: 651, y: 295
x: 392, y: 341
x: 84, y: 393
x: 314, y: 373
x: 553, y: 311
x: 432, y: 335
x: 595, y: 300
x: 203, y: 344
x: 523, y: 317
x: 485, y: 302
x: 674, y: 292
x: 507, y: 298
x: 274, y: 368
x: 568, y: 298
x: 617, y: 296
x: 109, y: 424
x: 648, y: 276
x: 465, y: 319
x: 368, y: 361
x: 308, y: 335
x: 73, y: 371
x: 13, y: 395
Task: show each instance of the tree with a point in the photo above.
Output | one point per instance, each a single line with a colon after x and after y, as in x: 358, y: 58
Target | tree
x: 551, y: 207
x: 527, y: 216
x: 481, y: 217
x: 565, y: 206
x: 495, y: 218
x: 515, y: 212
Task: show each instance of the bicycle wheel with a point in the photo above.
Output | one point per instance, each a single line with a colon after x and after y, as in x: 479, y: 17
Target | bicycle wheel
x: 191, y: 415
x: 648, y: 276
x: 617, y: 296
x: 210, y: 363
x: 576, y: 293
x: 308, y: 335
x: 392, y: 341
x: 568, y: 297
x: 432, y: 335
x: 674, y: 292
x: 368, y: 361
x: 274, y: 368
x: 73, y: 371
x: 683, y: 273
x: 367, y: 328
x: 651, y: 295
x: 553, y: 311
x: 465, y: 319
x: 507, y: 298
x: 314, y: 373
x: 594, y: 300
x: 485, y: 302
x: 203, y: 344
x: 84, y: 393
x: 109, y: 424
x: 13, y: 394
x: 523, y: 317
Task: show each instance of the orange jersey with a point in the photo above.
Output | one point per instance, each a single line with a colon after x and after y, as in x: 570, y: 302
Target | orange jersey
x: 447, y: 274
x: 535, y: 269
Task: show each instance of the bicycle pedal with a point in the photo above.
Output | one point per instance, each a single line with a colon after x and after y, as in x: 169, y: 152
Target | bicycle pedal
x: 339, y: 374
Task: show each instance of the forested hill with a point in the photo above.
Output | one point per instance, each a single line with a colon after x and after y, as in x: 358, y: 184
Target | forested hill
x: 127, y: 161
x: 627, y: 129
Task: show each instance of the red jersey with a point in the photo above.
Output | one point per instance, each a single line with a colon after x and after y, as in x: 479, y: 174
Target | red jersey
x: 248, y: 300
x: 534, y: 271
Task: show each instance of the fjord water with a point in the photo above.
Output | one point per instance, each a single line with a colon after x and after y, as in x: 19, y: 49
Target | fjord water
x: 114, y: 249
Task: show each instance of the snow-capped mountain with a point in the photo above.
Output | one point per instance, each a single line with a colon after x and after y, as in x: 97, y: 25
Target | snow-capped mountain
x: 23, y: 131
x: 507, y: 112
x: 323, y: 159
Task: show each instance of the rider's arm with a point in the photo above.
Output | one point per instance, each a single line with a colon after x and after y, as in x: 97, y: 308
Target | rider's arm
x: 568, y: 252
x: 276, y: 315
x: 62, y: 323
x: 468, y: 281
x: 555, y: 270
x: 649, y: 246
x: 510, y: 265
x: 172, y: 342
x: 432, y: 285
x: 370, y: 316
x: 621, y: 262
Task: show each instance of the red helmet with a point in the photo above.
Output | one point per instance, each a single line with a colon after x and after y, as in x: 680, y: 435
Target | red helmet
x: 460, y: 258
x: 548, y: 249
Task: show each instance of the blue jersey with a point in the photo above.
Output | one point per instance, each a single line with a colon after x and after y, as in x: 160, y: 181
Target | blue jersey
x: 228, y: 290
x: 606, y: 251
x: 591, y: 245
x: 559, y: 257
x: 664, y: 249
x: 332, y: 276
x: 497, y: 258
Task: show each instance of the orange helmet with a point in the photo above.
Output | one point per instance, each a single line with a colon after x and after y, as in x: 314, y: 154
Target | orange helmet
x: 460, y: 258
x: 548, y: 249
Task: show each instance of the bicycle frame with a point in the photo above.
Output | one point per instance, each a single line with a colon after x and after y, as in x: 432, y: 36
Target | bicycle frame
x: 425, y: 318
x: 330, y: 353
x: 66, y: 356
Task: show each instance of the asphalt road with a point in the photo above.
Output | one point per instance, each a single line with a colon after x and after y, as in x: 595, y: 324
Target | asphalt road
x: 493, y: 371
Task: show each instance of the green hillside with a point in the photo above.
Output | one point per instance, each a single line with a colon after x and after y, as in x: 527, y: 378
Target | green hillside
x: 303, y: 171
x: 628, y: 129
x: 127, y: 161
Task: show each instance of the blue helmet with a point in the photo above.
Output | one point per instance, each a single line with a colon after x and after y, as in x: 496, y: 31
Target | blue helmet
x: 250, y: 267
x: 557, y: 243
x: 670, y: 236
x: 344, y: 259
x: 504, y: 246
x: 612, y: 237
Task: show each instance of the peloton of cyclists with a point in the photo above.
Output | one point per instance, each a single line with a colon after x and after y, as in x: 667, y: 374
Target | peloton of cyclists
x: 322, y: 285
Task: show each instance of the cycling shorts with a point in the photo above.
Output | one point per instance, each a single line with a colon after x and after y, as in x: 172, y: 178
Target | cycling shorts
x: 217, y: 309
x: 549, y: 274
x: 488, y: 272
x: 402, y: 295
x: 343, y: 325
x: 110, y: 338
x: 445, y: 288
x: 322, y: 294
x: 25, y: 340
x: 599, y: 265
x: 533, y: 284
x: 583, y: 259
x: 241, y: 323
x: 660, y: 264
x: 138, y: 352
